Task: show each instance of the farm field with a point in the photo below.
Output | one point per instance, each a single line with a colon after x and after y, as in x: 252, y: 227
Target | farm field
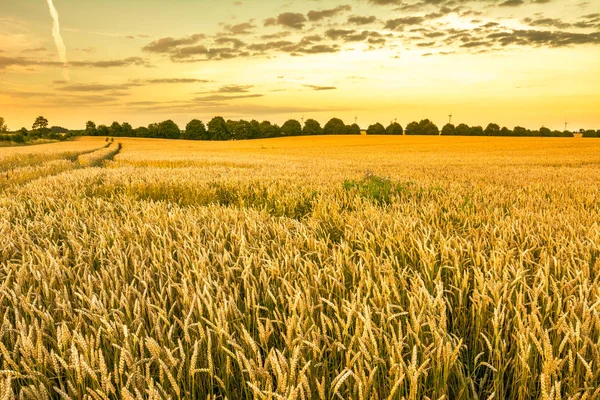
x: 354, y: 267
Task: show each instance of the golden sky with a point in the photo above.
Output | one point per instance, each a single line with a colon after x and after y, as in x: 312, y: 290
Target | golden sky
x: 514, y: 62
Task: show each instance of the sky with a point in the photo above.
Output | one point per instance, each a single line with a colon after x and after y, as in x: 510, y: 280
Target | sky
x: 530, y: 63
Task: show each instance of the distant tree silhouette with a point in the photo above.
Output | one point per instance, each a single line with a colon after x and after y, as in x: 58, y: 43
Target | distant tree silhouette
x: 492, y: 130
x: 376, y: 129
x: 449, y: 130
x: 335, y: 126
x: 462, y: 130
x: 103, y: 130
x: 268, y: 130
x: 291, y: 128
x: 353, y: 129
x: 115, y: 129
x: 3, y: 126
x: 169, y: 130
x: 413, y: 129
x: 312, y: 127
x: 519, y: 131
x: 394, y: 129
x: 40, y: 123
x: 127, y: 130
x: 476, y: 131
x: 90, y: 129
x: 217, y: 129
x: 142, y: 131
x: 195, y: 130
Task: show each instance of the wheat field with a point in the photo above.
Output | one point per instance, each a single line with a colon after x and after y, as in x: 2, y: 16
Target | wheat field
x: 301, y: 268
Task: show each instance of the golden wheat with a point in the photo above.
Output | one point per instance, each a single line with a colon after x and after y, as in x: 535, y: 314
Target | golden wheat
x: 456, y: 268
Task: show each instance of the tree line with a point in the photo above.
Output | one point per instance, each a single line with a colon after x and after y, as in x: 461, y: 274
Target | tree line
x: 220, y: 129
x: 39, y: 130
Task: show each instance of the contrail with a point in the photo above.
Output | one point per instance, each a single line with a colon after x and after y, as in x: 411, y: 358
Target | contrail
x: 60, y: 44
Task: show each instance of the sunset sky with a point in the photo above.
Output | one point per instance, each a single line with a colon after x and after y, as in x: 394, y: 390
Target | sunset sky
x: 514, y: 62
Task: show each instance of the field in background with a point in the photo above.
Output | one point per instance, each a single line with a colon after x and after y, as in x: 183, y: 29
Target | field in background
x: 321, y: 267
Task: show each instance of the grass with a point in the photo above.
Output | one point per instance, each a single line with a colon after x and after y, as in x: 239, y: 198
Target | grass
x: 456, y: 268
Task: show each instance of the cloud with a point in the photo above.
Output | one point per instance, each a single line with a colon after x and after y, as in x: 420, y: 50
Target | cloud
x: 220, y: 98
x: 362, y: 20
x: 323, y: 14
x: 28, y: 62
x: 320, y: 88
x: 291, y: 20
x: 235, y: 89
x: 394, y: 24
x: 245, y: 28
x: 167, y: 44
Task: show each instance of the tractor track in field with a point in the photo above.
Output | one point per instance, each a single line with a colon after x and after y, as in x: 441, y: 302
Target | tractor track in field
x: 17, y: 177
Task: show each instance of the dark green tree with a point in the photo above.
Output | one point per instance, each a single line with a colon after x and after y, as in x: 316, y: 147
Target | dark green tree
x: 127, y: 130
x: 217, y: 129
x: 353, y: 129
x: 312, y: 127
x: 394, y: 129
x: 195, y: 130
x: 462, y: 130
x: 115, y: 129
x: 103, y: 130
x: 142, y: 131
x: 449, y: 130
x: 40, y: 123
x: 335, y: 126
x: 476, y: 131
x: 505, y: 131
x: 413, y: 129
x: 520, y: 131
x: 291, y: 128
x: 428, y: 128
x: 169, y: 130
x: 376, y: 129
x: 492, y: 130
x: 90, y: 129
x: 153, y: 131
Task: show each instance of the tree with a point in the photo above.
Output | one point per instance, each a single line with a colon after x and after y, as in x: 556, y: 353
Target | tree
x: 394, y: 129
x: 23, y: 131
x: 59, y: 129
x: 195, y: 130
x: 476, y: 131
x: 153, y: 131
x: 142, y: 131
x: 462, y: 130
x: 254, y: 129
x: 413, y: 129
x: 376, y: 129
x: 505, y: 131
x: 519, y: 131
x: 239, y: 130
x: 217, y: 129
x: 589, y: 134
x: 353, y: 129
x: 40, y: 123
x: 127, y: 130
x: 103, y: 130
x: 169, y: 130
x: 268, y: 130
x: 90, y: 129
x: 335, y: 126
x: 291, y: 128
x: 428, y: 128
x: 115, y: 129
x: 312, y: 127
x: 492, y: 130
x: 3, y: 127
x: 449, y: 130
